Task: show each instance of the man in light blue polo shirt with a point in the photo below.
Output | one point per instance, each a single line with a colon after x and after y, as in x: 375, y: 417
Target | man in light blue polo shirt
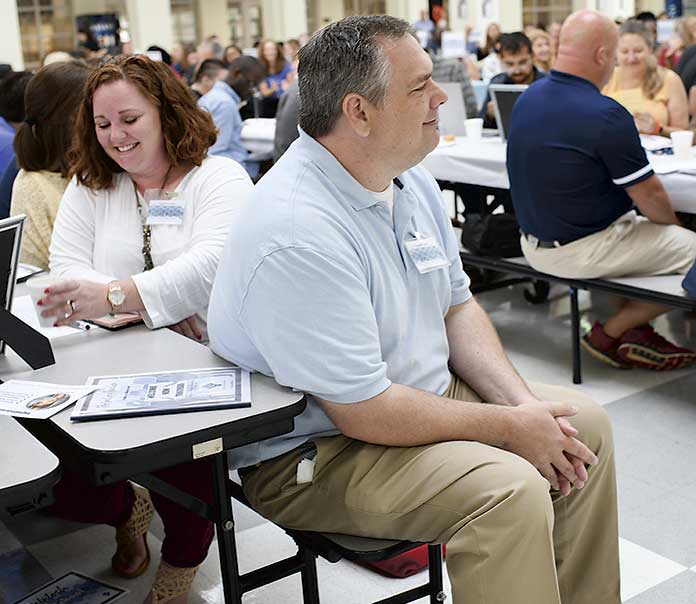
x: 222, y: 102
x: 342, y: 278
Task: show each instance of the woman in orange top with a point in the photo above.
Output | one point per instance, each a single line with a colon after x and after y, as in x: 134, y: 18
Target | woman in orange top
x: 655, y: 96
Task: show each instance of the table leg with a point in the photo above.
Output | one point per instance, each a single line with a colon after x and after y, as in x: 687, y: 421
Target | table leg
x: 229, y: 565
x: 575, y: 327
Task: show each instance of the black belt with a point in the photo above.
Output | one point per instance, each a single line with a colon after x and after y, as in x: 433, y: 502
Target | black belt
x: 545, y: 244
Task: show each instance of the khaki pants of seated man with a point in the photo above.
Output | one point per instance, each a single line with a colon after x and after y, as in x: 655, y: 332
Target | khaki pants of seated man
x: 631, y: 246
x: 509, y: 541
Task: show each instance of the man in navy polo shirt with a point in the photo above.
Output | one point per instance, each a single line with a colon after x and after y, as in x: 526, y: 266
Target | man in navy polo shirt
x: 576, y: 170
x: 518, y: 62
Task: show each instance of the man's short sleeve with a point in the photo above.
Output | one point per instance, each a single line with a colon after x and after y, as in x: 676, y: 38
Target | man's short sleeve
x: 310, y: 317
x: 620, y: 149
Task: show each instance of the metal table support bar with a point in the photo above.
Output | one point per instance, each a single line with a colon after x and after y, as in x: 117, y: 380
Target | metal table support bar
x: 575, y: 323
x: 227, y: 546
x: 189, y: 502
x: 221, y: 514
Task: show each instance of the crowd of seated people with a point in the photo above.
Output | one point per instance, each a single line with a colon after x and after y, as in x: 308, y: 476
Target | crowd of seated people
x: 578, y: 220
x: 98, y: 150
x: 269, y: 68
x: 121, y: 134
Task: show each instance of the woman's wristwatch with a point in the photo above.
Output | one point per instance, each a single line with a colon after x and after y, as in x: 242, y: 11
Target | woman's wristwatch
x: 115, y: 296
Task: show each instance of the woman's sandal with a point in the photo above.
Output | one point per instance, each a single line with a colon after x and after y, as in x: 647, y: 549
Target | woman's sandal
x: 134, y: 528
x: 171, y: 582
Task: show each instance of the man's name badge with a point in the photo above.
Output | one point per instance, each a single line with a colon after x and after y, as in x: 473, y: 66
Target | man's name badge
x: 165, y: 211
x: 426, y: 253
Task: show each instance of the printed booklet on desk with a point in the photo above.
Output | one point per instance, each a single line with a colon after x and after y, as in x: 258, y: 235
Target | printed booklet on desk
x: 72, y: 588
x: 165, y: 392
x: 38, y: 400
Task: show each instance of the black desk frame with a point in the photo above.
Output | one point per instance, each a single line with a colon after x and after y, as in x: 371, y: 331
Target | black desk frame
x: 609, y: 287
x: 525, y: 273
x: 105, y: 467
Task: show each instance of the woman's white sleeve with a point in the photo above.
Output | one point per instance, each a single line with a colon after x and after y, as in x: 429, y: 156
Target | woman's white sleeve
x: 180, y: 288
x: 71, y: 253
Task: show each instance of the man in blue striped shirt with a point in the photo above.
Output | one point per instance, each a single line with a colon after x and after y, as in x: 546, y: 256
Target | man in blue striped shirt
x: 223, y: 102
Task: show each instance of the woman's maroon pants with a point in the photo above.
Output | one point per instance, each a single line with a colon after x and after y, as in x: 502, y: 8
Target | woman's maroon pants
x: 187, y: 535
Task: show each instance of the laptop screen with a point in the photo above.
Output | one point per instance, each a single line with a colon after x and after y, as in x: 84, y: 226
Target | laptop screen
x: 10, y: 240
x: 504, y: 97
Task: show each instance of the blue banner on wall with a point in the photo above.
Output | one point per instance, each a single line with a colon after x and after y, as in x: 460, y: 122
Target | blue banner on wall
x: 673, y: 8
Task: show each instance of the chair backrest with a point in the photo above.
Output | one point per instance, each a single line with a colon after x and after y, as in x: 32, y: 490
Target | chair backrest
x: 452, y: 114
x: 504, y: 97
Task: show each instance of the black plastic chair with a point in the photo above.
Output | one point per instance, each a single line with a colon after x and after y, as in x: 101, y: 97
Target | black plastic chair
x: 333, y: 547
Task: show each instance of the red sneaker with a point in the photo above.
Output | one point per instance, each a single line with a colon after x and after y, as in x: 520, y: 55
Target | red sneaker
x: 644, y: 347
x: 603, y: 347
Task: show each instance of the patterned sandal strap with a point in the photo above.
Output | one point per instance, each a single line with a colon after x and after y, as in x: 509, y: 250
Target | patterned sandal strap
x: 139, y: 520
x: 171, y: 581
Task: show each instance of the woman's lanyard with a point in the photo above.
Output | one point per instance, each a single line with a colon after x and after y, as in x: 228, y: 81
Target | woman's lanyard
x: 147, y: 229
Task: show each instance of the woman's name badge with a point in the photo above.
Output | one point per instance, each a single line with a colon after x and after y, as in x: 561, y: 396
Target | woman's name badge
x: 165, y: 211
x: 426, y: 253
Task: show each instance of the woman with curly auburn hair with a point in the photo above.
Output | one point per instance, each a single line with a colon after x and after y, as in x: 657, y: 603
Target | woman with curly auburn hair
x: 141, y: 228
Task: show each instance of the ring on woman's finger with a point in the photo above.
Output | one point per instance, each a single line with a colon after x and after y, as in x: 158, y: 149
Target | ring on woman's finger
x: 72, y: 307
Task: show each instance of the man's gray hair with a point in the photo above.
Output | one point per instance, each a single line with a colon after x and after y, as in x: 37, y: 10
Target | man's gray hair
x: 342, y: 58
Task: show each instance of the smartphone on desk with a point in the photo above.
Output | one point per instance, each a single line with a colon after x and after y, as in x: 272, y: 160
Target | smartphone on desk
x: 118, y: 321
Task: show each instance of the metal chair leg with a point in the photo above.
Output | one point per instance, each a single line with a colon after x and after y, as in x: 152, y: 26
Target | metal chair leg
x: 437, y: 592
x: 310, y: 583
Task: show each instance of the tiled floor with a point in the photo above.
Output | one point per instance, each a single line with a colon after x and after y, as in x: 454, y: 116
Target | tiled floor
x: 654, y: 417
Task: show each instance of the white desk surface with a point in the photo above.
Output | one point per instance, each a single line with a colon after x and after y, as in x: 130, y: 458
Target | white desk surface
x: 136, y: 350
x: 257, y: 137
x: 23, y: 459
x: 477, y: 162
x: 483, y: 162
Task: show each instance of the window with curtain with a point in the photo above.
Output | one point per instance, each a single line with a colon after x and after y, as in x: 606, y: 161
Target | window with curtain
x: 364, y: 7
x: 44, y: 26
x: 184, y: 22
x: 235, y: 20
x: 545, y: 11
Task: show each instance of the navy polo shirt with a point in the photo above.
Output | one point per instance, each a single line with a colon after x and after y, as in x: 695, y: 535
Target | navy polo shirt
x: 571, y: 153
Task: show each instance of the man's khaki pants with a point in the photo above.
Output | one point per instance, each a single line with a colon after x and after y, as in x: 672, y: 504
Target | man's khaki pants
x: 509, y: 540
x: 631, y: 246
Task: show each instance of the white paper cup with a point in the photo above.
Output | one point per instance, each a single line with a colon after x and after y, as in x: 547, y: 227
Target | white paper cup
x: 474, y: 128
x: 681, y: 143
x: 36, y: 287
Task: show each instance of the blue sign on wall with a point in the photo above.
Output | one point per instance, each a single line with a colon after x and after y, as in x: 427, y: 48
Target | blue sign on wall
x: 673, y: 8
